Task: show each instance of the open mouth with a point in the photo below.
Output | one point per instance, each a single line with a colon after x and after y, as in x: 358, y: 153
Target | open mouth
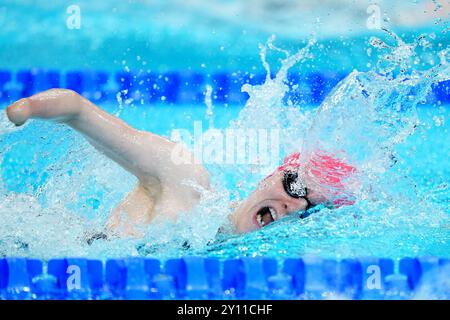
x: 265, y: 216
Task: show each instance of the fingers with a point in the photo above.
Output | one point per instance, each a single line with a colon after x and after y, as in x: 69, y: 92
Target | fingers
x: 19, y: 112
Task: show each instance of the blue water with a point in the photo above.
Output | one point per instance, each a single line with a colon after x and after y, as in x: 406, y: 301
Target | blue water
x: 60, y: 178
x: 56, y: 190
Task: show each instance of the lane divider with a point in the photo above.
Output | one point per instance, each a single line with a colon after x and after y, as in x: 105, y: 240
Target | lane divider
x: 177, y: 87
x: 211, y: 278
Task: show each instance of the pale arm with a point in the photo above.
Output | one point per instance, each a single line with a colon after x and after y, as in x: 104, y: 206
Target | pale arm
x: 146, y: 155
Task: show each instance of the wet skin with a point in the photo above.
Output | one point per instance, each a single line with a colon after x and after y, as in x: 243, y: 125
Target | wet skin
x: 150, y: 158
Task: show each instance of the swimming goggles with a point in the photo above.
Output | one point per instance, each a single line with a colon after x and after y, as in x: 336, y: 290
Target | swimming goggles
x: 295, y: 187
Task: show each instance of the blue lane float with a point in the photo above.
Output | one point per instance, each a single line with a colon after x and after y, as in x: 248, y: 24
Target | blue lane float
x: 210, y: 278
x: 175, y: 87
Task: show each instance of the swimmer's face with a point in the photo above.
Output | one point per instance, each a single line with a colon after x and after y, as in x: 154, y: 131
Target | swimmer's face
x: 270, y: 202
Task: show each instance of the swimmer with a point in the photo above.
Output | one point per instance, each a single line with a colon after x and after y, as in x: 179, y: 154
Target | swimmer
x: 160, y: 191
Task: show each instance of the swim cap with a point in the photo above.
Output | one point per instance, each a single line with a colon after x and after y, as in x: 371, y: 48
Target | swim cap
x: 327, y: 171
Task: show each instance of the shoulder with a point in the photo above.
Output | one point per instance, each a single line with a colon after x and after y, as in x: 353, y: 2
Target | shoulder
x: 177, y: 167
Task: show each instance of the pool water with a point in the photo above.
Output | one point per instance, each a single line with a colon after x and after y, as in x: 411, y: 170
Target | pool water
x: 56, y: 190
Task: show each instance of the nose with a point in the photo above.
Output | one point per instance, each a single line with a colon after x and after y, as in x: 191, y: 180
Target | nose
x: 293, y: 205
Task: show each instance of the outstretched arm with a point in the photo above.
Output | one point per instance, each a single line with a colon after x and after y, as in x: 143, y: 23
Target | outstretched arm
x: 146, y: 155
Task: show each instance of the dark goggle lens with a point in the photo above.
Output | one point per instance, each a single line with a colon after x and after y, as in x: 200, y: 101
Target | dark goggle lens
x: 293, y: 185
